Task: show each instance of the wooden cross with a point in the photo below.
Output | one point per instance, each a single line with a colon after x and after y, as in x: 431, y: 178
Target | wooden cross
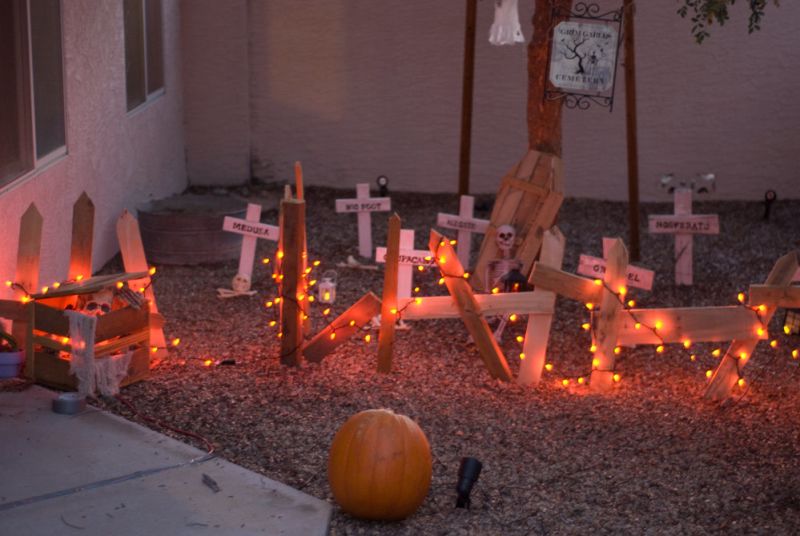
x: 683, y: 224
x: 595, y: 267
x: 465, y: 223
x: 408, y: 258
x: 252, y: 229
x: 364, y: 205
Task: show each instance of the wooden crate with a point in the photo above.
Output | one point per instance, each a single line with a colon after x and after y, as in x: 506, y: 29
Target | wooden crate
x: 48, y: 363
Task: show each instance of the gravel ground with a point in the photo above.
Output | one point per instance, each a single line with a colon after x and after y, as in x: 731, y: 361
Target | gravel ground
x: 650, y: 458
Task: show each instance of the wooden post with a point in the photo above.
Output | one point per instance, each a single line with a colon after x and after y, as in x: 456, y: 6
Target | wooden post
x: 605, y: 335
x: 134, y: 260
x: 293, y: 299
x: 468, y: 307
x: 467, y: 83
x: 740, y: 350
x: 298, y: 181
x: 631, y: 129
x: 534, y: 347
x: 27, y: 275
x: 389, y: 302
x: 300, y: 189
x: 357, y: 316
x: 80, y: 258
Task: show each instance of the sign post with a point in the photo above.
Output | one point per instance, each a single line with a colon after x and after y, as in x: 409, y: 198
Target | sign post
x: 466, y: 224
x: 364, y: 205
x: 683, y: 224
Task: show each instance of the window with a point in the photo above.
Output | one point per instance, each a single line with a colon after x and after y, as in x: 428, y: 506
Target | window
x: 31, y: 85
x: 144, y: 62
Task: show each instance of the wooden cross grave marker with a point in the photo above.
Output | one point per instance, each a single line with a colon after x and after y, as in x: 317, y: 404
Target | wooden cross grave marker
x: 683, y: 224
x: 465, y: 223
x: 252, y: 229
x: 408, y: 259
x: 595, y: 267
x: 364, y: 206
x: 633, y: 326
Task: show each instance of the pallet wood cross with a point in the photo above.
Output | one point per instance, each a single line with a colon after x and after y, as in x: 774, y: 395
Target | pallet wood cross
x: 408, y: 258
x: 683, y: 224
x: 134, y: 260
x: 465, y: 223
x: 776, y: 293
x: 252, y: 229
x: 595, y: 267
x: 364, y: 206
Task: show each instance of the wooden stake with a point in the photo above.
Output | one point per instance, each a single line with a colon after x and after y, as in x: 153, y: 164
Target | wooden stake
x: 459, y: 289
x: 358, y: 315
x: 134, y: 260
x: 467, y: 83
x: 293, y: 298
x: 389, y: 302
x: 608, y: 321
x: 298, y: 180
x: 740, y: 350
x: 631, y: 129
x: 534, y: 348
x: 27, y: 275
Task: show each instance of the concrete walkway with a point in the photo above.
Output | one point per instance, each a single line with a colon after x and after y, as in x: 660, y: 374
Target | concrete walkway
x: 96, y: 473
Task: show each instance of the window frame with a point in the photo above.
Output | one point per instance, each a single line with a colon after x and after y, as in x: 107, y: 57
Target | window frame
x: 156, y: 94
x: 32, y: 164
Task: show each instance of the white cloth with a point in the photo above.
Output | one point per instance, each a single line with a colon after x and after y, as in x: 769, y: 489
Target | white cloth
x: 505, y: 29
x: 103, y: 375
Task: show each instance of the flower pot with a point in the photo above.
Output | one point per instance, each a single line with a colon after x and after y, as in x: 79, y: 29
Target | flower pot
x: 11, y: 363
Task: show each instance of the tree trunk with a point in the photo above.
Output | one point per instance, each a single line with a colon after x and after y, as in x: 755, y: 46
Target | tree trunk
x: 544, y: 116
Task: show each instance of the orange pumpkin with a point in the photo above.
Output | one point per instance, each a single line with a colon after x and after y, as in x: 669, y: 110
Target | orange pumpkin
x: 380, y: 465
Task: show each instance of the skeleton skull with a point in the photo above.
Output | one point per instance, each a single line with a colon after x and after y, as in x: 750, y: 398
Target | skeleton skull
x: 241, y: 283
x: 505, y: 237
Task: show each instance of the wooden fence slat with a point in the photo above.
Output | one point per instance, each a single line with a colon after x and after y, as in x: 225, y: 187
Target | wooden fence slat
x: 389, y: 302
x: 80, y: 257
x: 727, y: 373
x: 359, y: 314
x: 27, y: 275
x: 537, y: 333
x: 447, y: 260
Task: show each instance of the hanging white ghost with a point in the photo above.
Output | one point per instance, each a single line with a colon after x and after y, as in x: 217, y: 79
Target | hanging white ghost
x: 505, y: 29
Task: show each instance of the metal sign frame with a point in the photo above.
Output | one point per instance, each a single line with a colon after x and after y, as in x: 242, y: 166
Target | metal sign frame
x: 583, y: 11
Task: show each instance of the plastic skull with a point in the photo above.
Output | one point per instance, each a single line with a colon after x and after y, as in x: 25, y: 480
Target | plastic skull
x: 241, y: 283
x: 505, y: 237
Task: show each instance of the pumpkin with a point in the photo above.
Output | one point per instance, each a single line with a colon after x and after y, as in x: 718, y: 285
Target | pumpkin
x: 380, y: 465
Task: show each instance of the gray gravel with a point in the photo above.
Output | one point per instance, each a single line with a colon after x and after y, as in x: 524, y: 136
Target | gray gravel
x: 651, y: 458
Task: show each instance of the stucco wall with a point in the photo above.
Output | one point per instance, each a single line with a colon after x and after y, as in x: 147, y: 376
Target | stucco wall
x: 357, y: 88
x: 216, y: 74
x: 120, y: 159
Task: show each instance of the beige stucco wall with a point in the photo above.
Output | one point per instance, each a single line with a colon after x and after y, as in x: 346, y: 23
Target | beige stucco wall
x: 120, y: 159
x: 358, y: 88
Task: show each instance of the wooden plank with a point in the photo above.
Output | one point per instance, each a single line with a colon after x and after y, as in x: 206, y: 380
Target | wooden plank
x: 122, y: 343
x: 13, y: 310
x: 292, y: 296
x: 80, y: 257
x: 605, y: 334
x: 695, y: 324
x: 571, y: 286
x: 390, y: 291
x: 786, y: 297
x: 453, y: 272
x: 431, y: 307
x: 91, y: 285
x: 298, y: 181
x: 358, y: 315
x: 544, y: 219
x: 683, y: 222
x: 134, y: 260
x: 727, y: 373
x: 50, y: 320
x: 537, y: 332
x: 684, y: 243
x: 27, y: 273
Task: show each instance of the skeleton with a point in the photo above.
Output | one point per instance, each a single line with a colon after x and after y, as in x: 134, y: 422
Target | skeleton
x: 240, y: 285
x: 499, y: 269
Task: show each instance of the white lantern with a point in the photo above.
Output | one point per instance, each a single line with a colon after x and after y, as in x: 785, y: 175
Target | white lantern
x: 327, y: 287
